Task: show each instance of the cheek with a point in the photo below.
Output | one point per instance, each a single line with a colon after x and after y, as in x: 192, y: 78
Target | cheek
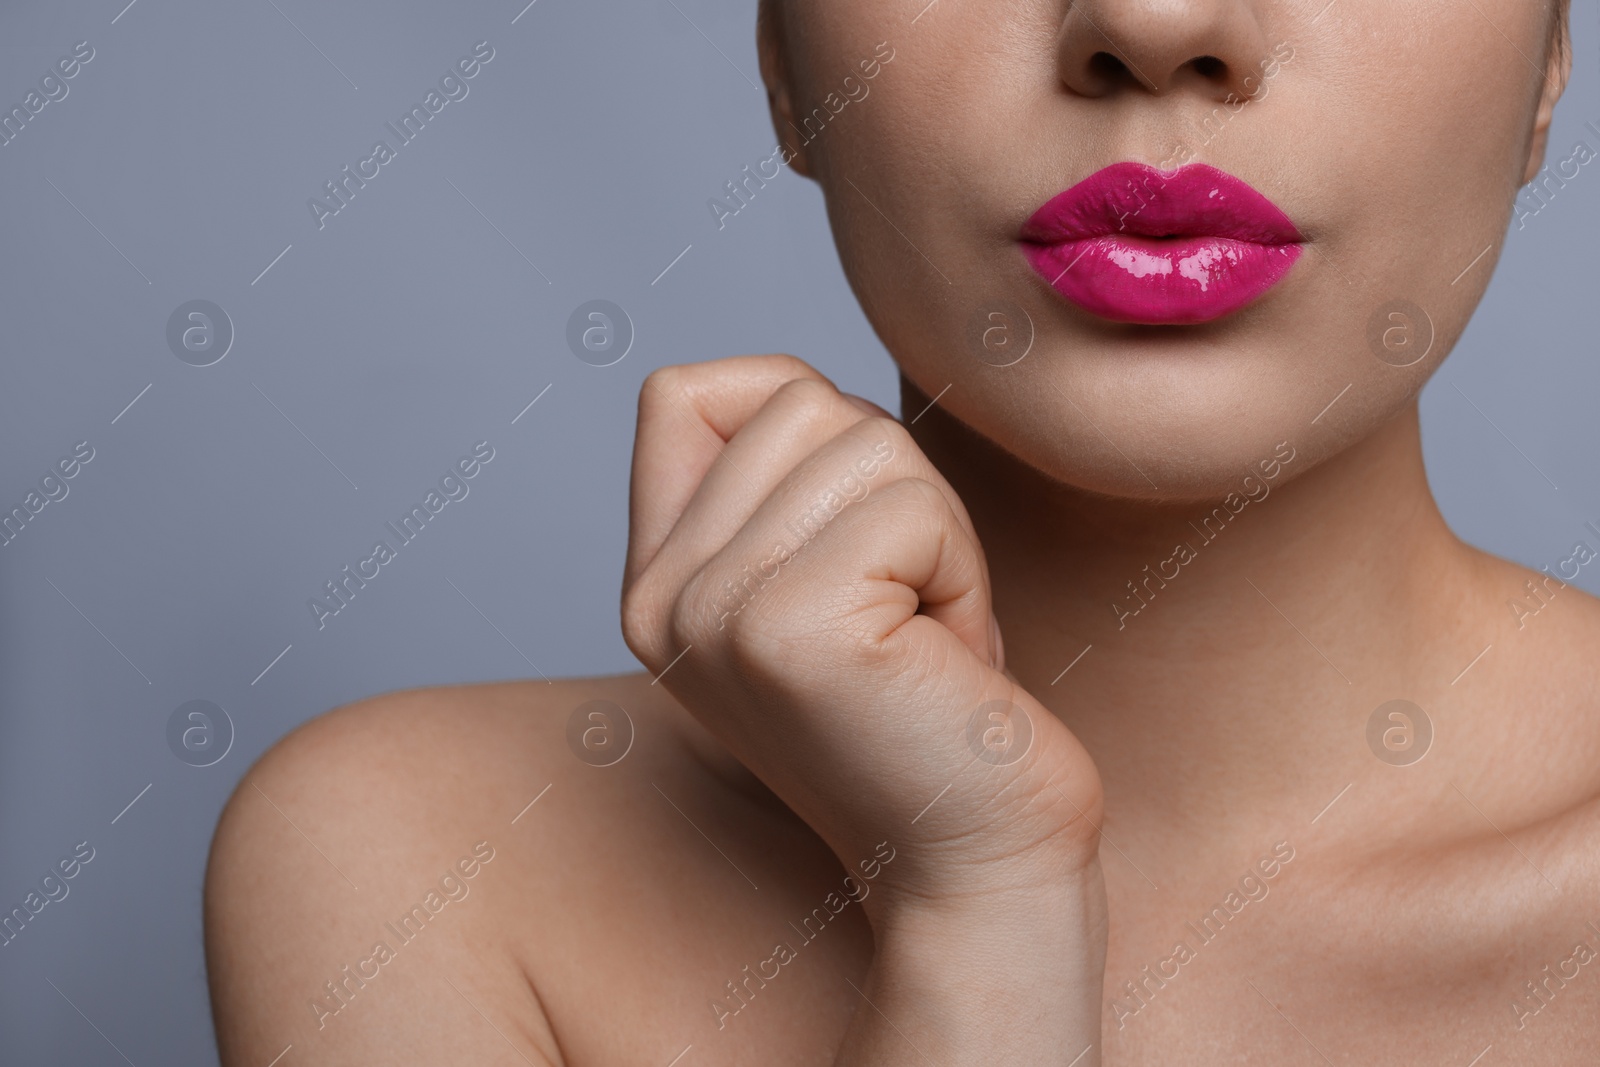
x: 1418, y: 126
x: 1431, y: 120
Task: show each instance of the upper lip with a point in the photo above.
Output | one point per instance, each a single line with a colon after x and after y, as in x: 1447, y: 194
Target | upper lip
x: 1136, y: 199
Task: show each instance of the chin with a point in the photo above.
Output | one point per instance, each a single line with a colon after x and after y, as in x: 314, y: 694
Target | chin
x: 1249, y: 469
x: 1154, y: 427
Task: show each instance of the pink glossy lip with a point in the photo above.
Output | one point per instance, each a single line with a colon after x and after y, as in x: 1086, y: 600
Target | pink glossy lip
x: 1131, y: 243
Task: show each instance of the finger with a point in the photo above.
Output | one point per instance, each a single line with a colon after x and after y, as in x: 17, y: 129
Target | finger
x: 687, y: 414
x: 798, y: 528
x: 912, y: 542
x: 776, y: 444
x: 868, y: 406
x: 799, y: 417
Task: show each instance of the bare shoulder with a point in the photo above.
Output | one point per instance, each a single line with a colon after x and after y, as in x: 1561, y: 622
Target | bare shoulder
x: 1538, y: 676
x: 426, y: 759
x: 430, y: 876
x: 1531, y: 699
x: 1499, y: 889
x: 361, y: 873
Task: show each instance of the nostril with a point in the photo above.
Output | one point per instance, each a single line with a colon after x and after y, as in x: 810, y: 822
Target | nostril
x: 1107, y: 68
x: 1210, y: 66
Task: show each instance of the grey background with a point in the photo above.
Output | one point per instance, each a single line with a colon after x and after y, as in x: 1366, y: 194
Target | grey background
x: 408, y: 328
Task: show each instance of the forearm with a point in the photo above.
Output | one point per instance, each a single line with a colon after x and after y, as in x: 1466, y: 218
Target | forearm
x: 1013, y: 979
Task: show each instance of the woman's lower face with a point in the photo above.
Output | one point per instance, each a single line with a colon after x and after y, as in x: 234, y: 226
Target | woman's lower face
x: 1160, y: 238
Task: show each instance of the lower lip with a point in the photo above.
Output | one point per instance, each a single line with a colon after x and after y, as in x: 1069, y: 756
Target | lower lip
x: 1161, y: 281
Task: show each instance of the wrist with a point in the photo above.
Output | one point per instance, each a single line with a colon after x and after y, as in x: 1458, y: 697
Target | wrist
x: 955, y: 882
x: 1043, y: 927
x: 1013, y: 975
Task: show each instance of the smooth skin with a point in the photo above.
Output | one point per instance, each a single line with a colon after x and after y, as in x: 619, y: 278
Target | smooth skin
x: 1210, y: 751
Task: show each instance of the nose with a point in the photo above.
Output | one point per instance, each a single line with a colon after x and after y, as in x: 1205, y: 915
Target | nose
x: 1161, y: 46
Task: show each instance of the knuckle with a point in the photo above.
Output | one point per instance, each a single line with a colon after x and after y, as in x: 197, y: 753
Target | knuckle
x: 676, y: 382
x: 809, y: 394
x: 789, y: 365
x: 702, y: 614
x: 641, y: 621
x: 815, y: 403
x: 669, y: 381
x: 879, y: 429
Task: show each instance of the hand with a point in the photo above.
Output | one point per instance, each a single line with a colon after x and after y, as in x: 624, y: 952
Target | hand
x: 820, y: 596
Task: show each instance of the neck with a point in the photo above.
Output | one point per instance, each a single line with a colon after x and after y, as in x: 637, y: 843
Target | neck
x: 1232, y: 680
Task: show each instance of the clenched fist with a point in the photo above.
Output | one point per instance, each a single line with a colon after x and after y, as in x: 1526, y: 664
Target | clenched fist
x: 811, y: 589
